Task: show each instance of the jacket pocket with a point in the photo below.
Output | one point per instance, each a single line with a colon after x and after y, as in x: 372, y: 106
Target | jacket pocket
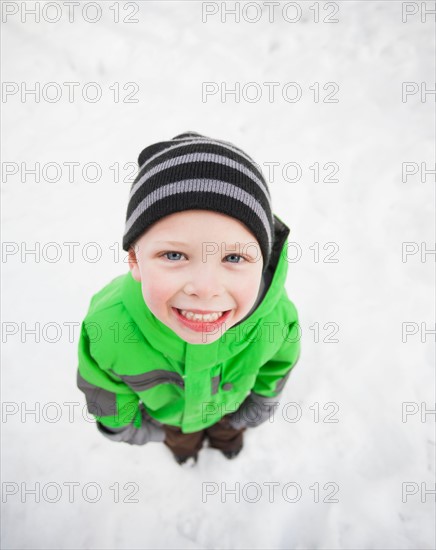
x: 215, y: 384
x: 147, y: 380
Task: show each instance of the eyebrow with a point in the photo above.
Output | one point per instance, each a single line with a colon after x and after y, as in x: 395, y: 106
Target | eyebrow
x: 178, y: 243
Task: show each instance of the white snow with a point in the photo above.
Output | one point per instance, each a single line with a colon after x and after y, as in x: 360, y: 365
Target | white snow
x: 354, y: 365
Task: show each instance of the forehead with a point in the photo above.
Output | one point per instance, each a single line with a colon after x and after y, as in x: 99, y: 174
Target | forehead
x: 194, y: 225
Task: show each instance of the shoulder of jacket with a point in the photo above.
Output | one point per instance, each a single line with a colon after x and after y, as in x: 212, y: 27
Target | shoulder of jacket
x: 107, y: 301
x: 286, y: 309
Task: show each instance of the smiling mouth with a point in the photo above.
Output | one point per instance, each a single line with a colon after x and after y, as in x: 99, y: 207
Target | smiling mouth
x: 201, y: 315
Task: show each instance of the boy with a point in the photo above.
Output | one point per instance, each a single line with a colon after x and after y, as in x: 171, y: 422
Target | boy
x: 187, y: 345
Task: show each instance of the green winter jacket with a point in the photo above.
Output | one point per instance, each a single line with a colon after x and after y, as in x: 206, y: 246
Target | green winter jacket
x: 130, y: 361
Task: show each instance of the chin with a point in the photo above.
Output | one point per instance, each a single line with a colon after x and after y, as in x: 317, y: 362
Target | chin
x: 199, y: 338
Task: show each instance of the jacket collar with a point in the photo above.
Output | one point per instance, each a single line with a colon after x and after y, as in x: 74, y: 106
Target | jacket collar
x: 165, y: 340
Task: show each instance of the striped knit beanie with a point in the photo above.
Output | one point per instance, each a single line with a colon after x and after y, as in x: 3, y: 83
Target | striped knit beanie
x: 192, y: 171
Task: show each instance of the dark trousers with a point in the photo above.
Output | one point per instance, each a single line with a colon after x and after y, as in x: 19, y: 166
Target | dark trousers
x: 221, y: 436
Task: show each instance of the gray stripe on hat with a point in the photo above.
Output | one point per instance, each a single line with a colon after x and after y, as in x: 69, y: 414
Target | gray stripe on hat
x: 221, y: 141
x: 200, y: 157
x: 207, y: 142
x: 195, y: 186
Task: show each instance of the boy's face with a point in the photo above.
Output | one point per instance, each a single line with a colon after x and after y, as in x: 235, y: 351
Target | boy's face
x: 214, y: 265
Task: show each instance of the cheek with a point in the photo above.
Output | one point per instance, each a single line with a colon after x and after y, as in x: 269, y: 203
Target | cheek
x: 156, y: 290
x: 247, y: 292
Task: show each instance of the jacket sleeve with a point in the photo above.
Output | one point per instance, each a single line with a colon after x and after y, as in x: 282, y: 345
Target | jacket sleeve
x: 117, y: 409
x: 274, y: 374
x: 263, y: 399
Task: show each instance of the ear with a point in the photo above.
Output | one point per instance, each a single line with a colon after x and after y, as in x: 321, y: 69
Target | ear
x: 133, y: 264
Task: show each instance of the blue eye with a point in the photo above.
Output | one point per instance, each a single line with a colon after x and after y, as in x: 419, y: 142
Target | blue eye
x: 176, y: 253
x: 168, y: 254
x: 235, y: 256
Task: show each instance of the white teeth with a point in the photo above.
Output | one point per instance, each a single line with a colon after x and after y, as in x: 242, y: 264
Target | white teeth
x: 208, y: 318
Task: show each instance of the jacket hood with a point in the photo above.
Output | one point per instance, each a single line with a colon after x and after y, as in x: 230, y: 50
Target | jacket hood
x: 165, y: 340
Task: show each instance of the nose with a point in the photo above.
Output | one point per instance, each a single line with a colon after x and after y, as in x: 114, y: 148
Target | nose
x: 204, y: 281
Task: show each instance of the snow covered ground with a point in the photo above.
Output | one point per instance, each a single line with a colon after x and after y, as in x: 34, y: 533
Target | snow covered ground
x: 353, y: 472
